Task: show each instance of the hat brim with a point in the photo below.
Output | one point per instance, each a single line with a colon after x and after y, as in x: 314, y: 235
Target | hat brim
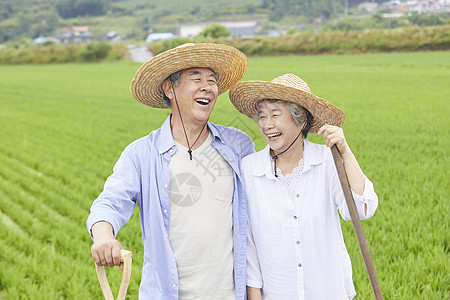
x: 246, y: 95
x: 228, y: 63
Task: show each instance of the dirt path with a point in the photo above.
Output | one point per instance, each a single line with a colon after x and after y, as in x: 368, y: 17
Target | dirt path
x: 139, y: 53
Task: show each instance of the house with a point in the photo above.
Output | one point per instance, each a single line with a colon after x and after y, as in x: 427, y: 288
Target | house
x: 43, y: 39
x: 113, y: 37
x: 191, y: 30
x: 237, y: 28
x: 241, y: 28
x: 76, y: 35
x: 368, y: 6
x: 152, y: 37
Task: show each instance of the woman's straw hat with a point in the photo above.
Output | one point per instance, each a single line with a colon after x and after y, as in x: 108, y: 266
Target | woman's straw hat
x: 228, y: 63
x: 288, y: 87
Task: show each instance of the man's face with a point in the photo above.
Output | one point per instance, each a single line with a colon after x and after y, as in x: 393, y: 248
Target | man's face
x: 196, y: 94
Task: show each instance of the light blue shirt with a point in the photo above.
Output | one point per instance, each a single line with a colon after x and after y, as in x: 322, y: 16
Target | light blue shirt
x: 141, y: 176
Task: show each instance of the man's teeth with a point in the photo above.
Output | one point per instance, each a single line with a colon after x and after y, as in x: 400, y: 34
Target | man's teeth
x: 271, y: 135
x: 203, y: 101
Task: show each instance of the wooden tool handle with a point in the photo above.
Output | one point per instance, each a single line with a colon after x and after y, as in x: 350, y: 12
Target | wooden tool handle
x: 356, y: 223
x: 126, y: 258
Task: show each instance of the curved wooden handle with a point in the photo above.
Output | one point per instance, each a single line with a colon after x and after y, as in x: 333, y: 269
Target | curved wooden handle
x: 126, y: 258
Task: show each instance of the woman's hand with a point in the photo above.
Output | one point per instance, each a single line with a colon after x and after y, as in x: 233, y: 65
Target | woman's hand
x: 334, y: 135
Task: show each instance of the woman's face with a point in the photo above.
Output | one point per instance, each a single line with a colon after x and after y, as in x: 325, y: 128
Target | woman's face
x: 277, y: 125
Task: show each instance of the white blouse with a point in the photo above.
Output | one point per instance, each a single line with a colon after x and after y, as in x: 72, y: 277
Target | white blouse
x: 295, y: 247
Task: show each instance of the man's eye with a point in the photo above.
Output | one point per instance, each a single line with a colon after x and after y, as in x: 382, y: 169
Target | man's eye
x: 262, y: 117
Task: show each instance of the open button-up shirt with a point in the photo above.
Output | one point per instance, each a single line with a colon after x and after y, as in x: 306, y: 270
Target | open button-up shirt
x: 295, y: 247
x: 142, y: 176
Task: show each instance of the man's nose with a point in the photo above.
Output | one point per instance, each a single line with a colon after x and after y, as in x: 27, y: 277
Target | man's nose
x: 205, y: 87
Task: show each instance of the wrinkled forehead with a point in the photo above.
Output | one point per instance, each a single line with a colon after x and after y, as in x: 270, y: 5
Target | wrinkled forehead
x: 270, y: 105
x: 199, y: 71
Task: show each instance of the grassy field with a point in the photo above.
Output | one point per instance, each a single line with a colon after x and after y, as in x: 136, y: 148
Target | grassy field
x: 62, y: 127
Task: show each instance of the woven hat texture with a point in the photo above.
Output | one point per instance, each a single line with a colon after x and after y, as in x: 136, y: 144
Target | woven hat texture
x: 288, y: 87
x: 228, y: 63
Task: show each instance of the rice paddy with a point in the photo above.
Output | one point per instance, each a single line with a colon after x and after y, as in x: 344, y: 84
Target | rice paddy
x: 62, y: 127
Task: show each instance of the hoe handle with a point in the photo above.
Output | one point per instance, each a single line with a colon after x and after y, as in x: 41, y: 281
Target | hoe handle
x: 356, y: 223
x: 126, y: 258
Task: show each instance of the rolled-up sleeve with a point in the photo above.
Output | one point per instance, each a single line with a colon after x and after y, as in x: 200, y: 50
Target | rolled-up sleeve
x: 116, y: 202
x: 366, y: 204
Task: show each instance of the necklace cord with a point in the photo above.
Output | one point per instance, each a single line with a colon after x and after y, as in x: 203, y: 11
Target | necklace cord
x: 275, y: 156
x: 184, y: 129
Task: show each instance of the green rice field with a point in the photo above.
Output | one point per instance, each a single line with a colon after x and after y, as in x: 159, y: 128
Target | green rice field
x: 62, y: 127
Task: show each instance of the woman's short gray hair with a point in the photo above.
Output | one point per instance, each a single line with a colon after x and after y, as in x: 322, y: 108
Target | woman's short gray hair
x: 298, y: 112
x: 174, y: 78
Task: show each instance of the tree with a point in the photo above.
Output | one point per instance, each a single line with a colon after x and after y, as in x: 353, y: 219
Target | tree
x: 215, y: 31
x: 75, y: 8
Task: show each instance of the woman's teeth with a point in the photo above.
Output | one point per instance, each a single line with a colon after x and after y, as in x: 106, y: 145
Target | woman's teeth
x: 272, y: 135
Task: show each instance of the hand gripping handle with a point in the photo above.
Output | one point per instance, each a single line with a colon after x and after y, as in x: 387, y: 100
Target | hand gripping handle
x: 126, y: 258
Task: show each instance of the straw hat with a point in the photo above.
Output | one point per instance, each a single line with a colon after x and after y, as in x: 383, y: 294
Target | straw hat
x: 288, y: 87
x: 227, y: 62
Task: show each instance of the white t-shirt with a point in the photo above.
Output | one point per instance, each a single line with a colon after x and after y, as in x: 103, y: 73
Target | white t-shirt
x: 295, y: 246
x: 201, y: 225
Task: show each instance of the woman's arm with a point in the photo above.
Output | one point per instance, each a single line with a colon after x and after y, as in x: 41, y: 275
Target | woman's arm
x: 335, y: 135
x: 253, y: 293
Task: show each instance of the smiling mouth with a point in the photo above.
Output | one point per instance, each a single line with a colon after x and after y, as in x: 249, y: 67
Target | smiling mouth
x: 202, y: 101
x: 273, y: 135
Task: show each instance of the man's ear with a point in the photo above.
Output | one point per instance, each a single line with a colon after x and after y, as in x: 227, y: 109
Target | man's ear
x: 167, y: 88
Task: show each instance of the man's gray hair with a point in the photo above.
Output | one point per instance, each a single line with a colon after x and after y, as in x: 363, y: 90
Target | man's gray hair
x: 174, y: 78
x: 298, y: 112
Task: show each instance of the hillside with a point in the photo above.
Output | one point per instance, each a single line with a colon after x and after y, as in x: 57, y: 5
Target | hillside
x: 133, y: 19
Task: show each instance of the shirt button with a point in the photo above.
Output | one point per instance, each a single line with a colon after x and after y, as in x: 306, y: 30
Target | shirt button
x: 165, y: 185
x: 298, y: 242
x: 299, y: 265
x: 173, y: 259
x: 165, y: 211
x: 295, y: 217
x: 297, y: 195
x: 174, y: 285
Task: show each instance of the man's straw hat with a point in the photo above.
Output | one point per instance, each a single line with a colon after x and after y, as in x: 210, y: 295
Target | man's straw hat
x: 288, y: 87
x: 228, y: 63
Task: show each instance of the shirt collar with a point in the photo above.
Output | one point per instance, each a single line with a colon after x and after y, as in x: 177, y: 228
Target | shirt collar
x: 263, y: 164
x: 167, y: 142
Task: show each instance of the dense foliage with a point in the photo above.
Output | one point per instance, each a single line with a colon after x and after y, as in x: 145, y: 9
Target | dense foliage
x: 215, y: 31
x: 328, y: 42
x: 51, y: 53
x: 75, y: 8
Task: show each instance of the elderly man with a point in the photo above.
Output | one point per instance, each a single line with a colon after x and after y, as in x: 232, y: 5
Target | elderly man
x: 185, y: 179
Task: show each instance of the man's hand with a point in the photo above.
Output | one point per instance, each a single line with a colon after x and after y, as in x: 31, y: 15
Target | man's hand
x: 106, y: 249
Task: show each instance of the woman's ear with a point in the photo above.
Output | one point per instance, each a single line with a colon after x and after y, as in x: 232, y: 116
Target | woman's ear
x: 167, y: 88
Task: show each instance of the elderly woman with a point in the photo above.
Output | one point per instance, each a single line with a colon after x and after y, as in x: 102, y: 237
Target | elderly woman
x: 295, y: 247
